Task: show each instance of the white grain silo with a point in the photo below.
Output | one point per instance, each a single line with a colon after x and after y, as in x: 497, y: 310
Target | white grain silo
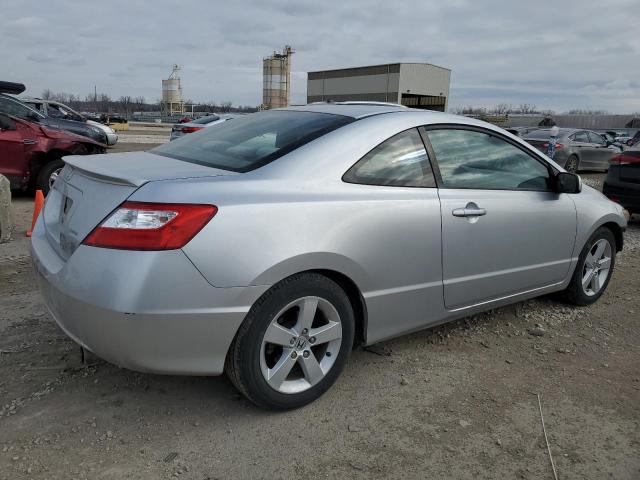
x: 172, y: 93
x: 276, y: 85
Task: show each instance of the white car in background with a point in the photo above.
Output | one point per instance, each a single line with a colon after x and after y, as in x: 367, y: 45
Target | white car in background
x: 180, y: 129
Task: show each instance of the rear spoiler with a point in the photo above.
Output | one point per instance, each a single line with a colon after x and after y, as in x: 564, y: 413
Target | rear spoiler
x: 11, y: 87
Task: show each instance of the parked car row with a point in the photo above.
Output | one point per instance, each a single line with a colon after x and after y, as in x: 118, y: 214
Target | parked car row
x: 32, y: 144
x: 575, y: 149
x: 53, y: 109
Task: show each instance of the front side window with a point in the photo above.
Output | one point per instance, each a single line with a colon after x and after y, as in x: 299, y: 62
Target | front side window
x: 477, y: 160
x: 11, y: 107
x: 400, y: 161
x: 251, y: 141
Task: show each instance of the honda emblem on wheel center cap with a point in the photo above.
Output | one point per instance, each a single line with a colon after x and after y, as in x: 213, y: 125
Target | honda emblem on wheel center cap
x: 301, y: 343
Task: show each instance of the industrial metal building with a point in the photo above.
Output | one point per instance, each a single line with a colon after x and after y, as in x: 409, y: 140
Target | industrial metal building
x: 417, y: 85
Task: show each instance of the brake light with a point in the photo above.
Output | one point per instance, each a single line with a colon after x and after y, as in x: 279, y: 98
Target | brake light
x: 151, y: 226
x: 626, y: 158
x: 558, y: 145
x: 190, y: 129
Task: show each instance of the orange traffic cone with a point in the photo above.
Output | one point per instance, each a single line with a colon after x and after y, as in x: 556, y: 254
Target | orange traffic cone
x: 36, y: 210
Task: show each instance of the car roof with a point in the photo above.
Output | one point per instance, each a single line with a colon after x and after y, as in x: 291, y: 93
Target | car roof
x: 349, y: 109
x: 358, y: 110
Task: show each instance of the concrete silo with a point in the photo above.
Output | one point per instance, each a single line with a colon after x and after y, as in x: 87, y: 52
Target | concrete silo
x: 172, y: 102
x: 276, y: 84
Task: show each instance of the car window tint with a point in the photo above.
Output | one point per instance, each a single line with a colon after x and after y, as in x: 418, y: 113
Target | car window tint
x: 400, y: 161
x: 55, y: 112
x: 596, y: 138
x: 471, y: 159
x: 252, y: 141
x: 581, y: 137
x: 11, y: 107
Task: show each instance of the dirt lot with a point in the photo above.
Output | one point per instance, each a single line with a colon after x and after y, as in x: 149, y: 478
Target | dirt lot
x: 453, y: 402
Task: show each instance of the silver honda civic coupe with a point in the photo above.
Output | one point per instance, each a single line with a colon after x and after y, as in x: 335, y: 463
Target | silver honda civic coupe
x: 269, y: 246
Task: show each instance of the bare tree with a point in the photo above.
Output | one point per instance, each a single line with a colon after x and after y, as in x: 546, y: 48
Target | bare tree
x: 502, y: 109
x: 125, y: 105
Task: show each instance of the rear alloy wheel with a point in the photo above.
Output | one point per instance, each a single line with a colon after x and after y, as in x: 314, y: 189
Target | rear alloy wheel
x: 572, y: 164
x: 48, y: 175
x: 293, y: 343
x: 594, y: 269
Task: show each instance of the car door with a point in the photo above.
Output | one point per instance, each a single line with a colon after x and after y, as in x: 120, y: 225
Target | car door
x: 581, y: 144
x: 397, y: 198
x: 12, y: 164
x: 601, y: 152
x: 504, y: 230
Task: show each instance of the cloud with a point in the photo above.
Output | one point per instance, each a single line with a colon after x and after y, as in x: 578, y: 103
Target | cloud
x: 576, y: 54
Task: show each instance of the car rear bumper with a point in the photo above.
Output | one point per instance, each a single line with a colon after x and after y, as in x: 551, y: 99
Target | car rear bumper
x: 146, y: 311
x: 626, y: 194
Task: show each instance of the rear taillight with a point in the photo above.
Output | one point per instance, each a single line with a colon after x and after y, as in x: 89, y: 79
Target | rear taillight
x: 151, y: 226
x: 190, y: 129
x: 626, y: 158
x: 558, y: 145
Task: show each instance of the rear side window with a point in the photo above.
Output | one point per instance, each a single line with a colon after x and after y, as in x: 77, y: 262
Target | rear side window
x: 477, y: 160
x: 252, y: 141
x: 597, y: 138
x: 400, y: 161
x: 581, y: 137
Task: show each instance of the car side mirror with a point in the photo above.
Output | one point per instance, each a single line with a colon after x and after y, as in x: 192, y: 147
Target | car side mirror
x: 568, y: 183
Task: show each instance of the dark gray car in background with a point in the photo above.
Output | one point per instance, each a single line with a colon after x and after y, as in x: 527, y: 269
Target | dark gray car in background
x: 575, y: 149
x: 12, y: 106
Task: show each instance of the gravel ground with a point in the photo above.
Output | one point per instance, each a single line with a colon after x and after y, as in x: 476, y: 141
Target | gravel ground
x: 458, y: 401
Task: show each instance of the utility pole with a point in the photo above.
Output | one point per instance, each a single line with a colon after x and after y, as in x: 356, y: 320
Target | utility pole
x: 95, y: 99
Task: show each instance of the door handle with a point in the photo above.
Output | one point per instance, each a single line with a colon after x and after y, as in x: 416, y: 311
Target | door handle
x: 471, y: 210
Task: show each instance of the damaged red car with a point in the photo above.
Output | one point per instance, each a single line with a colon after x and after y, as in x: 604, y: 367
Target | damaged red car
x: 31, y: 154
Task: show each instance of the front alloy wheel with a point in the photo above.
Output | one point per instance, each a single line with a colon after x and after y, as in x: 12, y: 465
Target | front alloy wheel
x: 597, y: 265
x: 293, y: 343
x: 594, y: 268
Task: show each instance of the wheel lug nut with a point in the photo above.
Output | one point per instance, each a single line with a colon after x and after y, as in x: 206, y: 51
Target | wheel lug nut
x: 306, y: 354
x: 294, y: 355
x: 292, y: 341
x: 305, y: 331
x: 312, y: 340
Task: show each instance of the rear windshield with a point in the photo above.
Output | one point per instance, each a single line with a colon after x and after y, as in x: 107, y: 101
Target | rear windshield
x: 251, y: 141
x: 207, y: 119
x: 542, y: 135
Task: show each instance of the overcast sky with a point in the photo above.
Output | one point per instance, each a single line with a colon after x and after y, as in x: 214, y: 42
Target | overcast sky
x: 554, y: 54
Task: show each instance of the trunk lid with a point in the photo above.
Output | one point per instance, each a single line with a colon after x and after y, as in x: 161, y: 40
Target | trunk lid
x: 538, y: 143
x: 90, y: 187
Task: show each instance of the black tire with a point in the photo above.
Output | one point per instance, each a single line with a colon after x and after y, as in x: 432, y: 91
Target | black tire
x: 572, y: 164
x: 42, y: 182
x: 575, y: 293
x: 243, y: 360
